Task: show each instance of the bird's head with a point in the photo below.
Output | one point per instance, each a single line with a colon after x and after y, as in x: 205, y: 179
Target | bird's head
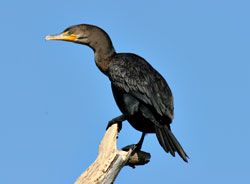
x: 86, y: 34
x: 82, y: 34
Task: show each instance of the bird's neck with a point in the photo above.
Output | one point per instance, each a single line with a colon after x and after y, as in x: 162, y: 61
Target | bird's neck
x: 104, y: 52
x: 103, y: 61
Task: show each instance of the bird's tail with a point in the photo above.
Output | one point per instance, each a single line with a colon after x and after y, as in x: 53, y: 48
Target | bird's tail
x: 169, y: 142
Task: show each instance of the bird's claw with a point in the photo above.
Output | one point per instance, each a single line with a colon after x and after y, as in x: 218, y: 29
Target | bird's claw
x: 130, y: 147
x: 135, y: 148
x: 131, y: 165
x: 110, y: 123
x: 117, y: 120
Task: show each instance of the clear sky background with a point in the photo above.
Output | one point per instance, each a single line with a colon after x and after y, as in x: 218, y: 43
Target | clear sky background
x: 55, y: 104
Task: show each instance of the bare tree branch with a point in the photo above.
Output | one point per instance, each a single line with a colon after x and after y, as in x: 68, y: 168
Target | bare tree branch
x: 110, y: 161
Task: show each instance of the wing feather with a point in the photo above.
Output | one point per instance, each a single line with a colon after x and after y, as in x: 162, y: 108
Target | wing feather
x: 135, y: 76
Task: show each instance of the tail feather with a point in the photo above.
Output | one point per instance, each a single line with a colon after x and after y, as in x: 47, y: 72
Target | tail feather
x: 169, y: 142
x: 166, y: 145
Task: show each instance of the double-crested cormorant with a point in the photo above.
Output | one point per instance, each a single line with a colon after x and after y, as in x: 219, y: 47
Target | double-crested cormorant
x: 140, y: 92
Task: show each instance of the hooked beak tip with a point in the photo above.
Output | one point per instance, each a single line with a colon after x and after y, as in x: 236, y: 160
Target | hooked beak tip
x: 48, y: 37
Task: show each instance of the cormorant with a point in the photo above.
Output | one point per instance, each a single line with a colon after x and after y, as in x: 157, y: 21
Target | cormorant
x: 141, y: 93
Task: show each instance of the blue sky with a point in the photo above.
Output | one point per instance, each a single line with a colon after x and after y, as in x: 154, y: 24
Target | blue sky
x: 54, y: 103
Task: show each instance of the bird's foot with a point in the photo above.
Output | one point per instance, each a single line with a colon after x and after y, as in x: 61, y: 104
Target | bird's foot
x: 117, y: 120
x: 132, y: 147
x: 135, y: 148
x: 110, y: 123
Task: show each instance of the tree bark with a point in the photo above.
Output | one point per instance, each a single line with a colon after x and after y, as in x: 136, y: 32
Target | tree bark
x: 110, y: 160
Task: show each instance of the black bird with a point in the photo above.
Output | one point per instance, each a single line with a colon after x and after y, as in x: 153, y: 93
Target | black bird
x: 141, y: 93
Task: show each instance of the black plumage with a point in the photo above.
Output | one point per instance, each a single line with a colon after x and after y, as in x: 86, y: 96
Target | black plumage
x: 141, y: 93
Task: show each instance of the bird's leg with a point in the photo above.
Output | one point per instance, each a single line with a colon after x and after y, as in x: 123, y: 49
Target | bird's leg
x: 139, y: 144
x: 117, y: 120
x: 135, y: 147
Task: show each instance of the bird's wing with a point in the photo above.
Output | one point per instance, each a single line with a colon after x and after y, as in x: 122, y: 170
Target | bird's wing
x: 135, y: 76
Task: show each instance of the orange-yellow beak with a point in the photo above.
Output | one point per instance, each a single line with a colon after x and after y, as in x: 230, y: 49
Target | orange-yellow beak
x: 63, y: 36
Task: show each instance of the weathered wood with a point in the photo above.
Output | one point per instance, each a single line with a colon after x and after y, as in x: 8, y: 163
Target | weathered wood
x: 110, y: 161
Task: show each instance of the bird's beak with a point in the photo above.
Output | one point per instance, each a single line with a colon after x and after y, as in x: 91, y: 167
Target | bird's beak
x: 63, y: 36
